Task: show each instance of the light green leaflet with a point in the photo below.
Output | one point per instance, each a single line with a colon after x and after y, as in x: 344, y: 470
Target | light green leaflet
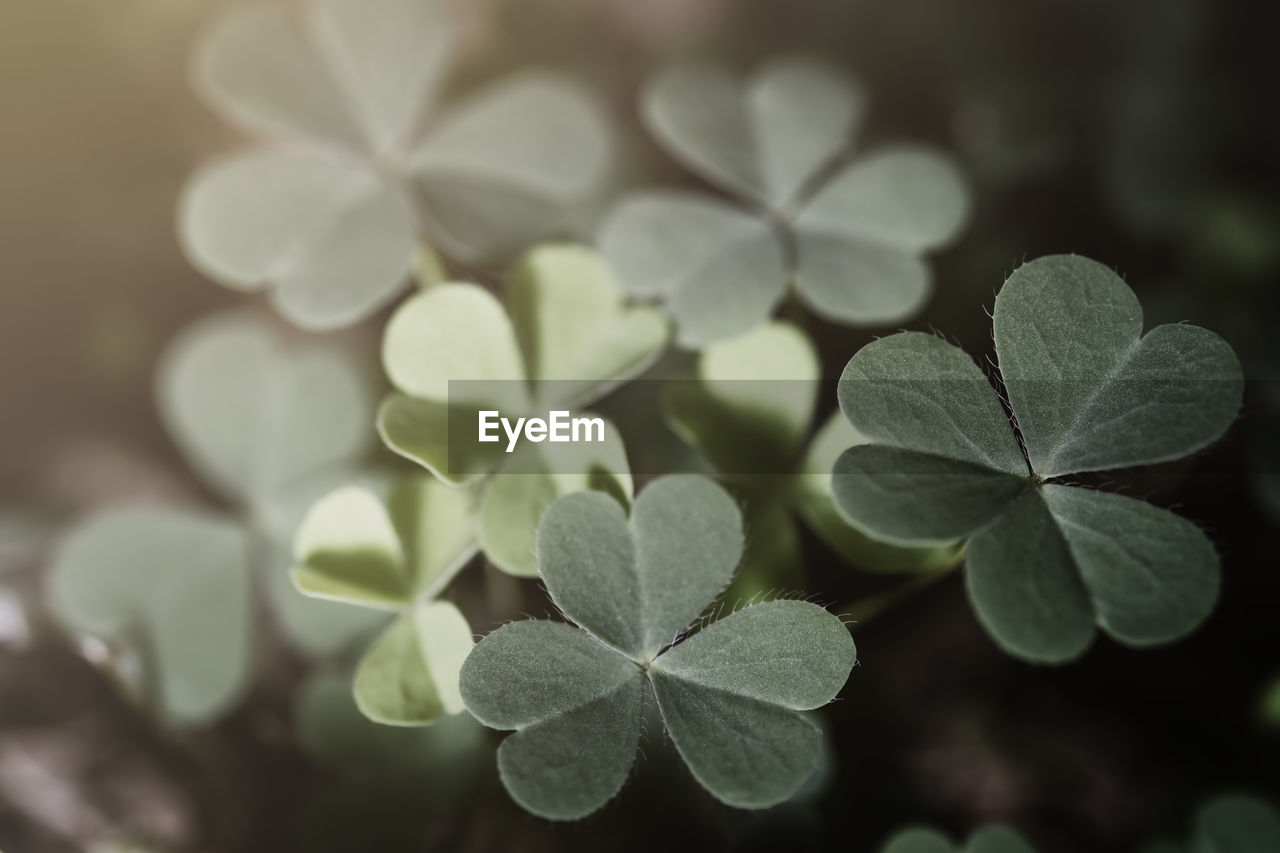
x: 730, y: 696
x: 1231, y: 823
x: 331, y: 218
x: 749, y: 413
x: 265, y: 421
x: 1046, y: 561
x: 1236, y: 824
x: 849, y: 238
x: 396, y: 557
x: 989, y: 839
x: 171, y: 588
x: 567, y: 339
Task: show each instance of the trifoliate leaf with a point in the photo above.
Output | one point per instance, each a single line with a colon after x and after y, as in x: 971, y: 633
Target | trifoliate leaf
x: 335, y: 224
x: 254, y: 413
x: 172, y: 585
x: 1046, y: 561
x: 851, y: 242
x: 730, y: 697
x: 988, y: 839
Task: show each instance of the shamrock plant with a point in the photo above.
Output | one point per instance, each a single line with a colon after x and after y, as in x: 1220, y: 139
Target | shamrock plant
x: 454, y: 351
x: 989, y: 839
x: 268, y: 425
x: 749, y: 413
x: 1087, y: 391
x: 331, y: 211
x: 398, y: 558
x: 849, y: 238
x: 730, y: 696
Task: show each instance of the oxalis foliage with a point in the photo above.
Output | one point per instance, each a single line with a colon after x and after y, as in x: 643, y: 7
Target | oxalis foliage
x: 1086, y: 391
x: 848, y: 237
x: 729, y: 696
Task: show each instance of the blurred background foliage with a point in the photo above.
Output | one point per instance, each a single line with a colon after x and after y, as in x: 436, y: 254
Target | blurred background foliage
x: 1139, y: 133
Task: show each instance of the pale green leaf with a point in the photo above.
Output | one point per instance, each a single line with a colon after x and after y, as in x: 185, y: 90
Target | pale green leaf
x: 248, y: 219
x: 393, y: 684
x: 437, y: 436
x: 906, y: 198
x: 316, y: 627
x: 259, y: 66
x: 454, y: 332
x: 513, y: 505
x: 347, y: 550
x: 771, y: 372
x: 507, y: 166
x: 792, y: 654
x: 388, y: 57
x: 254, y: 415
x: 763, y: 140
x: 573, y: 326
x: 1236, y: 824
x: 437, y: 526
x: 747, y: 753
x: 720, y: 270
x: 357, y: 263
x: 175, y: 581
x: 445, y: 640
x: 1089, y: 391
x: 858, y: 282
x: 803, y: 112
x: 696, y: 111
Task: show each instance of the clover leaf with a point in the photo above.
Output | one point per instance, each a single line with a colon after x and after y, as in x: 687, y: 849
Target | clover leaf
x: 1087, y: 392
x: 730, y: 696
x: 398, y: 557
x: 454, y: 351
x: 988, y: 839
x: 850, y: 238
x: 171, y: 588
x: 331, y: 212
x: 749, y: 413
x: 265, y: 421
